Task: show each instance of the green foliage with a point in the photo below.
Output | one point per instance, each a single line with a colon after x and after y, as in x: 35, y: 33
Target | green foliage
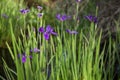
x: 66, y: 56
x: 9, y: 13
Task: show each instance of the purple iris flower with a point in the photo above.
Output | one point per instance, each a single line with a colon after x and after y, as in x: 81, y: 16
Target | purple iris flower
x: 24, y: 58
x: 71, y: 32
x: 41, y: 29
x: 24, y: 11
x: 91, y: 18
x: 4, y: 15
x: 46, y: 35
x: 40, y: 15
x: 62, y: 17
x: 35, y: 50
x: 39, y: 7
x: 78, y: 0
x: 47, y: 32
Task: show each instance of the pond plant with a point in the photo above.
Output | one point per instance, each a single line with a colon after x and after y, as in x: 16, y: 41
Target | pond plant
x: 64, y: 47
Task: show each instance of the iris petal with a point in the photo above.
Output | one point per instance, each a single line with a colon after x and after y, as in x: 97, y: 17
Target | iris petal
x: 39, y: 7
x: 46, y: 36
x: 41, y: 29
x: 40, y: 15
x: 71, y: 32
x: 91, y: 18
x: 54, y: 33
x: 23, y: 59
x: 36, y: 50
x: 48, y: 28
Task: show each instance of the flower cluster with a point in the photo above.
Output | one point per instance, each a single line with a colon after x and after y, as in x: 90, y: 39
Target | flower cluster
x: 24, y: 11
x: 47, y: 32
x: 39, y: 9
x: 91, y: 18
x: 24, y: 56
x: 62, y: 17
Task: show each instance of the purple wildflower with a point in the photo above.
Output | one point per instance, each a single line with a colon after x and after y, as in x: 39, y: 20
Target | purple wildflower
x: 24, y: 11
x: 41, y: 29
x: 39, y: 7
x: 35, y: 50
x: 46, y: 35
x: 40, y: 15
x: 78, y: 0
x: 24, y: 58
x: 91, y: 18
x: 71, y: 32
x: 47, y: 32
x: 62, y: 17
x: 4, y: 15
